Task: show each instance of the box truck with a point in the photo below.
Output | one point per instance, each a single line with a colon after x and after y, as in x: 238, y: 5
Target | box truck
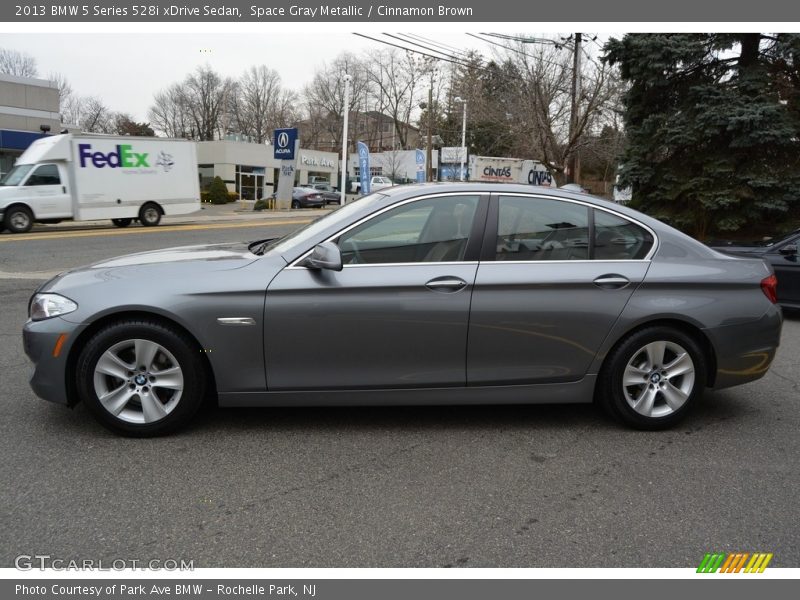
x: 91, y: 177
x: 509, y: 170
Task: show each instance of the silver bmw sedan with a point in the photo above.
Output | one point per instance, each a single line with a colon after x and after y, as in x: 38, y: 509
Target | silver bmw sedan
x: 422, y: 294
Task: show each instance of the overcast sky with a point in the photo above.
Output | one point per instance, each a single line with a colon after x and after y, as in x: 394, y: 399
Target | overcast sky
x: 126, y: 69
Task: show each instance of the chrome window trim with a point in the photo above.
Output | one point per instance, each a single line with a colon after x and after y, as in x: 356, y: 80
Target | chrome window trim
x: 294, y: 264
x: 647, y: 258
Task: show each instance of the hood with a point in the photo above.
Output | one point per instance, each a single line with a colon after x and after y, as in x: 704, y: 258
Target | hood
x: 170, y: 263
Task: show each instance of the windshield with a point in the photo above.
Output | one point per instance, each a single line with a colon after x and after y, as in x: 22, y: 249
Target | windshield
x: 16, y: 175
x: 340, y: 216
x: 778, y: 240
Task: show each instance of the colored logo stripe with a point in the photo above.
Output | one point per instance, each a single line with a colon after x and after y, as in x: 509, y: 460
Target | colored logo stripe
x: 734, y: 562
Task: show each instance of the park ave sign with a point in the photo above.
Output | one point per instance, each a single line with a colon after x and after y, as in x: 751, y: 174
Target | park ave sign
x: 314, y: 161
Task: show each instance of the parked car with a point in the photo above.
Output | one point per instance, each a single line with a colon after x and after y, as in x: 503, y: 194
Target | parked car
x: 430, y: 294
x: 781, y: 253
x: 376, y: 183
x: 330, y: 195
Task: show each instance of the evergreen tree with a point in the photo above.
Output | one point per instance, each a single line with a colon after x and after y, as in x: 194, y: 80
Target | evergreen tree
x: 713, y: 127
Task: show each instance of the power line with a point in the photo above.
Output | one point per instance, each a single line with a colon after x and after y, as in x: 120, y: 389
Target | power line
x: 447, y: 47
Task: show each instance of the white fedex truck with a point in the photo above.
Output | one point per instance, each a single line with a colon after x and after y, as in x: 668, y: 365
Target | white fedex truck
x: 92, y: 177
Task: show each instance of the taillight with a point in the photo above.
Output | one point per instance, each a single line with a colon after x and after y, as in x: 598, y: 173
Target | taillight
x: 769, y: 285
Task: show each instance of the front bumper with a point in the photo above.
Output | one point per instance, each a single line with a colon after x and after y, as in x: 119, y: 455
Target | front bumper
x: 745, y: 351
x: 49, y: 377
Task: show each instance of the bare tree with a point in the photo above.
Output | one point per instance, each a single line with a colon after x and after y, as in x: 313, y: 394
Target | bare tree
x: 394, y: 76
x: 260, y: 104
x: 542, y: 104
x: 169, y: 113
x: 206, y: 95
x: 95, y: 117
x: 325, y: 93
x: 13, y: 62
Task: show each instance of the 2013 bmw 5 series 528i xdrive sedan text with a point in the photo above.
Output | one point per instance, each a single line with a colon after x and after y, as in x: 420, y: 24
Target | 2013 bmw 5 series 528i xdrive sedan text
x: 422, y: 294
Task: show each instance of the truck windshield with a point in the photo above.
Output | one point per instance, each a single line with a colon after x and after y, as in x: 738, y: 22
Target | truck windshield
x: 16, y: 175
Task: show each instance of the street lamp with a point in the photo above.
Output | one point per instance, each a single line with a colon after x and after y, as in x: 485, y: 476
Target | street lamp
x: 347, y: 79
x: 463, y: 151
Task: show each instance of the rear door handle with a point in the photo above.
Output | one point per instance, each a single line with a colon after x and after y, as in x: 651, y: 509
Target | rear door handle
x: 612, y: 281
x: 446, y: 284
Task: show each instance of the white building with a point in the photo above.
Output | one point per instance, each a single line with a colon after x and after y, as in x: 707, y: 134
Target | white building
x: 251, y: 170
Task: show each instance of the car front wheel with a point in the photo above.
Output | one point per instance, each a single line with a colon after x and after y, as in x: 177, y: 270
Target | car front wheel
x: 141, y: 378
x: 653, y: 378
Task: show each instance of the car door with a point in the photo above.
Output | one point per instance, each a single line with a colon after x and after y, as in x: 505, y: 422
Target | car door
x: 787, y: 269
x: 395, y: 316
x: 47, y: 189
x: 553, y: 278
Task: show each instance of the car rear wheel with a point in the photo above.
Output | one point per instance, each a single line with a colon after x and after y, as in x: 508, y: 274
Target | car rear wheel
x: 121, y: 222
x: 295, y: 204
x: 18, y: 219
x: 141, y: 378
x: 653, y: 378
x: 150, y: 215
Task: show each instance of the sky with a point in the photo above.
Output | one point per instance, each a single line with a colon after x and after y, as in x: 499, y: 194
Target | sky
x: 126, y: 69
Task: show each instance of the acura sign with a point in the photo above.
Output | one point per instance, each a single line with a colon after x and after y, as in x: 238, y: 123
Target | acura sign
x: 283, y: 143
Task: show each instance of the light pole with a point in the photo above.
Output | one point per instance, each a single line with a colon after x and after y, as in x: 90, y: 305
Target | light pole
x: 463, y: 152
x: 347, y: 80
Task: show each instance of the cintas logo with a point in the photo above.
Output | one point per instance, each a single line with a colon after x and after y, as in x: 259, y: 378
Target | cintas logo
x: 124, y: 157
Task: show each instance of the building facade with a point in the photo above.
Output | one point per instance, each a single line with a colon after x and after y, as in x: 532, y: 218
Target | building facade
x: 28, y: 109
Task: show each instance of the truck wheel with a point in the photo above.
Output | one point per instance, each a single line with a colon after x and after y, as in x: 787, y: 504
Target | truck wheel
x: 150, y: 215
x: 19, y: 219
x: 121, y: 222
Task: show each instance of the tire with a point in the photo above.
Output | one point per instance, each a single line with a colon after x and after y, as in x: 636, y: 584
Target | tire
x: 139, y: 403
x: 121, y: 222
x: 672, y: 369
x: 295, y: 204
x: 150, y: 214
x: 18, y: 219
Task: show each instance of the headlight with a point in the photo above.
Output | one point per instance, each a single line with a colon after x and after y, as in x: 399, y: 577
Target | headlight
x: 46, y: 306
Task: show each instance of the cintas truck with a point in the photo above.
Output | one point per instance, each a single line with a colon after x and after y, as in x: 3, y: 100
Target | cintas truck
x: 92, y: 177
x: 509, y: 170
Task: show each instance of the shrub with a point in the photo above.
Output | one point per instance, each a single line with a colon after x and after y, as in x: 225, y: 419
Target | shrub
x: 260, y: 205
x: 218, y: 191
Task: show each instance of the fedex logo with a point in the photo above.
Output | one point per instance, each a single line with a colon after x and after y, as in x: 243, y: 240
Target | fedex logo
x: 124, y: 157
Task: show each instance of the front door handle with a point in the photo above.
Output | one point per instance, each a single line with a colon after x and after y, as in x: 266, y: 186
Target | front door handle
x: 446, y: 284
x: 612, y: 281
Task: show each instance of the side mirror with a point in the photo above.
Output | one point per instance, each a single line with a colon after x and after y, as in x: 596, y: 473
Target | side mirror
x: 325, y: 256
x: 789, y: 250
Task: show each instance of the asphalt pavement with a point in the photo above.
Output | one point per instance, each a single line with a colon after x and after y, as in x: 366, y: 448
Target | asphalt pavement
x: 497, y: 486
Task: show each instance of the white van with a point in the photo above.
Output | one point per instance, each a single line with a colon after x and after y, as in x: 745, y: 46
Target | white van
x: 92, y: 177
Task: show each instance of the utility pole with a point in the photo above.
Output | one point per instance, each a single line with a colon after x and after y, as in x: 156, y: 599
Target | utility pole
x: 574, y: 162
x: 429, y: 154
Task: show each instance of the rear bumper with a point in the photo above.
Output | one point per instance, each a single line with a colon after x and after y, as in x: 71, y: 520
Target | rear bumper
x: 745, y: 351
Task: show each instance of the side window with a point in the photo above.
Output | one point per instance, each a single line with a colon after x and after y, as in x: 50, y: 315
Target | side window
x: 541, y: 229
x: 431, y: 230
x: 44, y: 175
x: 616, y: 238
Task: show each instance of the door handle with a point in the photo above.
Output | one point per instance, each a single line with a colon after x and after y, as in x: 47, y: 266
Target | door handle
x: 612, y: 281
x: 63, y: 189
x: 446, y: 284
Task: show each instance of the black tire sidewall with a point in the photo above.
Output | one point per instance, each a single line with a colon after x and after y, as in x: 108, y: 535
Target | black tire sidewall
x: 18, y: 209
x: 182, y: 348
x: 612, y: 395
x: 144, y: 210
x: 121, y: 222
